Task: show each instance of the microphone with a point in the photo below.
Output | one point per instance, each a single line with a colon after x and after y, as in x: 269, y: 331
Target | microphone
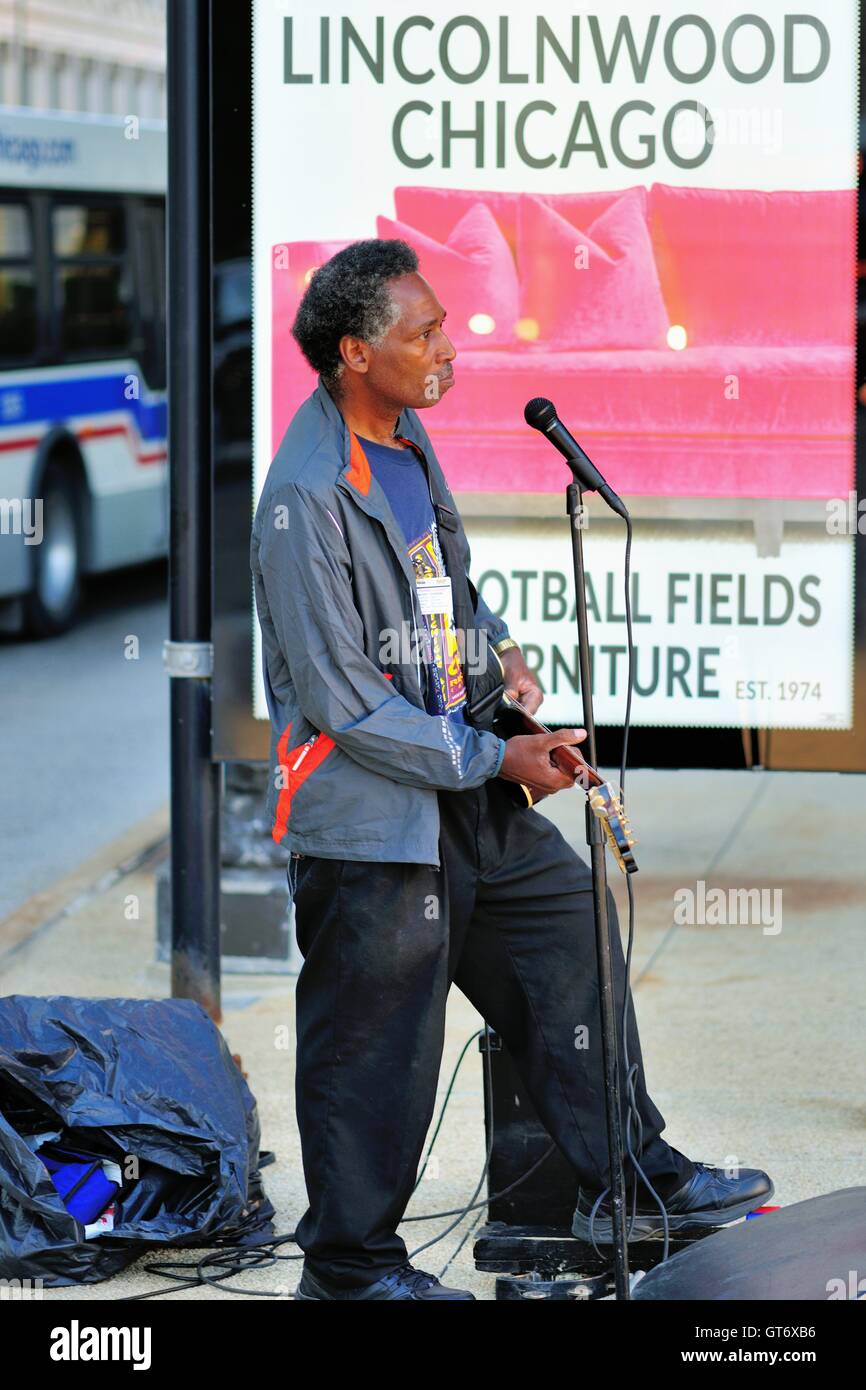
x: 541, y: 414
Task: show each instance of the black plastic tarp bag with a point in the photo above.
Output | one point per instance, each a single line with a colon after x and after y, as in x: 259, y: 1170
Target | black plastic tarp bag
x: 147, y: 1078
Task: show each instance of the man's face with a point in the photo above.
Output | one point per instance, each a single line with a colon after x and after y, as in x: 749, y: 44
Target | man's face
x: 412, y: 364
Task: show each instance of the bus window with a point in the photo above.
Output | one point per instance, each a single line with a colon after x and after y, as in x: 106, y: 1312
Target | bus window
x: 17, y: 283
x: 88, y: 231
x: 93, y: 286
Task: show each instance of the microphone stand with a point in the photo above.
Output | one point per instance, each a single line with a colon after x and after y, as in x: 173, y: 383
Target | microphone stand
x: 595, y: 841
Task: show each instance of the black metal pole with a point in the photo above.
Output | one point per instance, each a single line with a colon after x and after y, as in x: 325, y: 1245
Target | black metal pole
x: 195, y: 777
x: 595, y: 841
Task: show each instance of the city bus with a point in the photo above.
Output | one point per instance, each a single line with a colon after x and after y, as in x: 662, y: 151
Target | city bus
x: 83, y: 453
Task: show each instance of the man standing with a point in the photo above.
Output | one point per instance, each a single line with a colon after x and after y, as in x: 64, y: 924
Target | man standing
x: 413, y: 868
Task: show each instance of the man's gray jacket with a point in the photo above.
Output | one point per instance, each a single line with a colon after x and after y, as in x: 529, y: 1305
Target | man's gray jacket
x: 355, y: 759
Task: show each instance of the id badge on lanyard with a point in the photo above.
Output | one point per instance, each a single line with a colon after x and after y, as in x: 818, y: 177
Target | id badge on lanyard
x: 435, y: 597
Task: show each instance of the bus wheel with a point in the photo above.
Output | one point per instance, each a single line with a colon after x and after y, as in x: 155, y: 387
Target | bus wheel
x: 54, y: 601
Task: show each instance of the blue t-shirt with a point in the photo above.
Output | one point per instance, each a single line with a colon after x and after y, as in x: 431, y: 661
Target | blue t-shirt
x: 403, y: 479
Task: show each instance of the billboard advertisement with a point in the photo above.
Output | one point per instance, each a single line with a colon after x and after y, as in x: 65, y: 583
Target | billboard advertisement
x: 648, y: 216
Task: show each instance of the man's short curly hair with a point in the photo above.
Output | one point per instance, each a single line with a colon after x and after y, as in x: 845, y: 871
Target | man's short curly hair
x: 349, y: 295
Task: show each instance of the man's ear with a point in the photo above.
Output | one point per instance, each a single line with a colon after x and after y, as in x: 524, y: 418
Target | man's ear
x: 355, y: 353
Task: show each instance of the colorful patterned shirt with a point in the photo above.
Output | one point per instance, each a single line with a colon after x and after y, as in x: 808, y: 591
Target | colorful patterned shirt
x: 403, y: 479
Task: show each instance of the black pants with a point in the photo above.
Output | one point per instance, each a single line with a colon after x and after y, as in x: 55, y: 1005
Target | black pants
x: 508, y: 917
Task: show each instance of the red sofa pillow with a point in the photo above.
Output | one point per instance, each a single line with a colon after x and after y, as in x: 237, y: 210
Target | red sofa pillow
x: 473, y: 273
x: 437, y: 211
x: 589, y: 287
x: 756, y: 267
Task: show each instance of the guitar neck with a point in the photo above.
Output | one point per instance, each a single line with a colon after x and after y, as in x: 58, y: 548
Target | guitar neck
x: 521, y: 709
x: 589, y: 773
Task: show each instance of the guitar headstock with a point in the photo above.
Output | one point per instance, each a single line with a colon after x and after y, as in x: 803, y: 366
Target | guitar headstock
x: 607, y: 806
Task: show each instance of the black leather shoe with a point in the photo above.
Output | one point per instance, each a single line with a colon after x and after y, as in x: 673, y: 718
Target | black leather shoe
x: 404, y: 1282
x: 708, y: 1198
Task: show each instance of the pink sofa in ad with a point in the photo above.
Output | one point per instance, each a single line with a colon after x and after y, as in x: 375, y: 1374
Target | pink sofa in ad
x: 580, y: 296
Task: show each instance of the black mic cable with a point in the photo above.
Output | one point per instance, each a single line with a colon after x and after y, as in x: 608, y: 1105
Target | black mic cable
x: 632, y: 1071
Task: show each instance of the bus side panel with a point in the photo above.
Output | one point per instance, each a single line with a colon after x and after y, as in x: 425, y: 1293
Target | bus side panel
x: 19, y: 513
x: 128, y: 515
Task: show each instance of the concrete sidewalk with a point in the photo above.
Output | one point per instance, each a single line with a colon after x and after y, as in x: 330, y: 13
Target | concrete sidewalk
x: 752, y: 1034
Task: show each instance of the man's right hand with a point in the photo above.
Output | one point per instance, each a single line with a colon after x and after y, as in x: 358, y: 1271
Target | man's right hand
x: 527, y: 759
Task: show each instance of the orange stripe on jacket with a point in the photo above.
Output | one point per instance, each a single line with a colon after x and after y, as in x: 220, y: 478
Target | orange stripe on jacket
x: 284, y: 799
x: 359, y: 467
x: 295, y: 776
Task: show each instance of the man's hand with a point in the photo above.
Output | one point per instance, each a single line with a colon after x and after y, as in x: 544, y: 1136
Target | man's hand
x: 527, y: 759
x: 520, y: 683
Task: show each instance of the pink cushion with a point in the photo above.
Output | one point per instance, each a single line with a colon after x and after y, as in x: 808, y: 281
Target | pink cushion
x: 743, y: 266
x: 473, y: 273
x: 437, y: 211
x: 613, y: 299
